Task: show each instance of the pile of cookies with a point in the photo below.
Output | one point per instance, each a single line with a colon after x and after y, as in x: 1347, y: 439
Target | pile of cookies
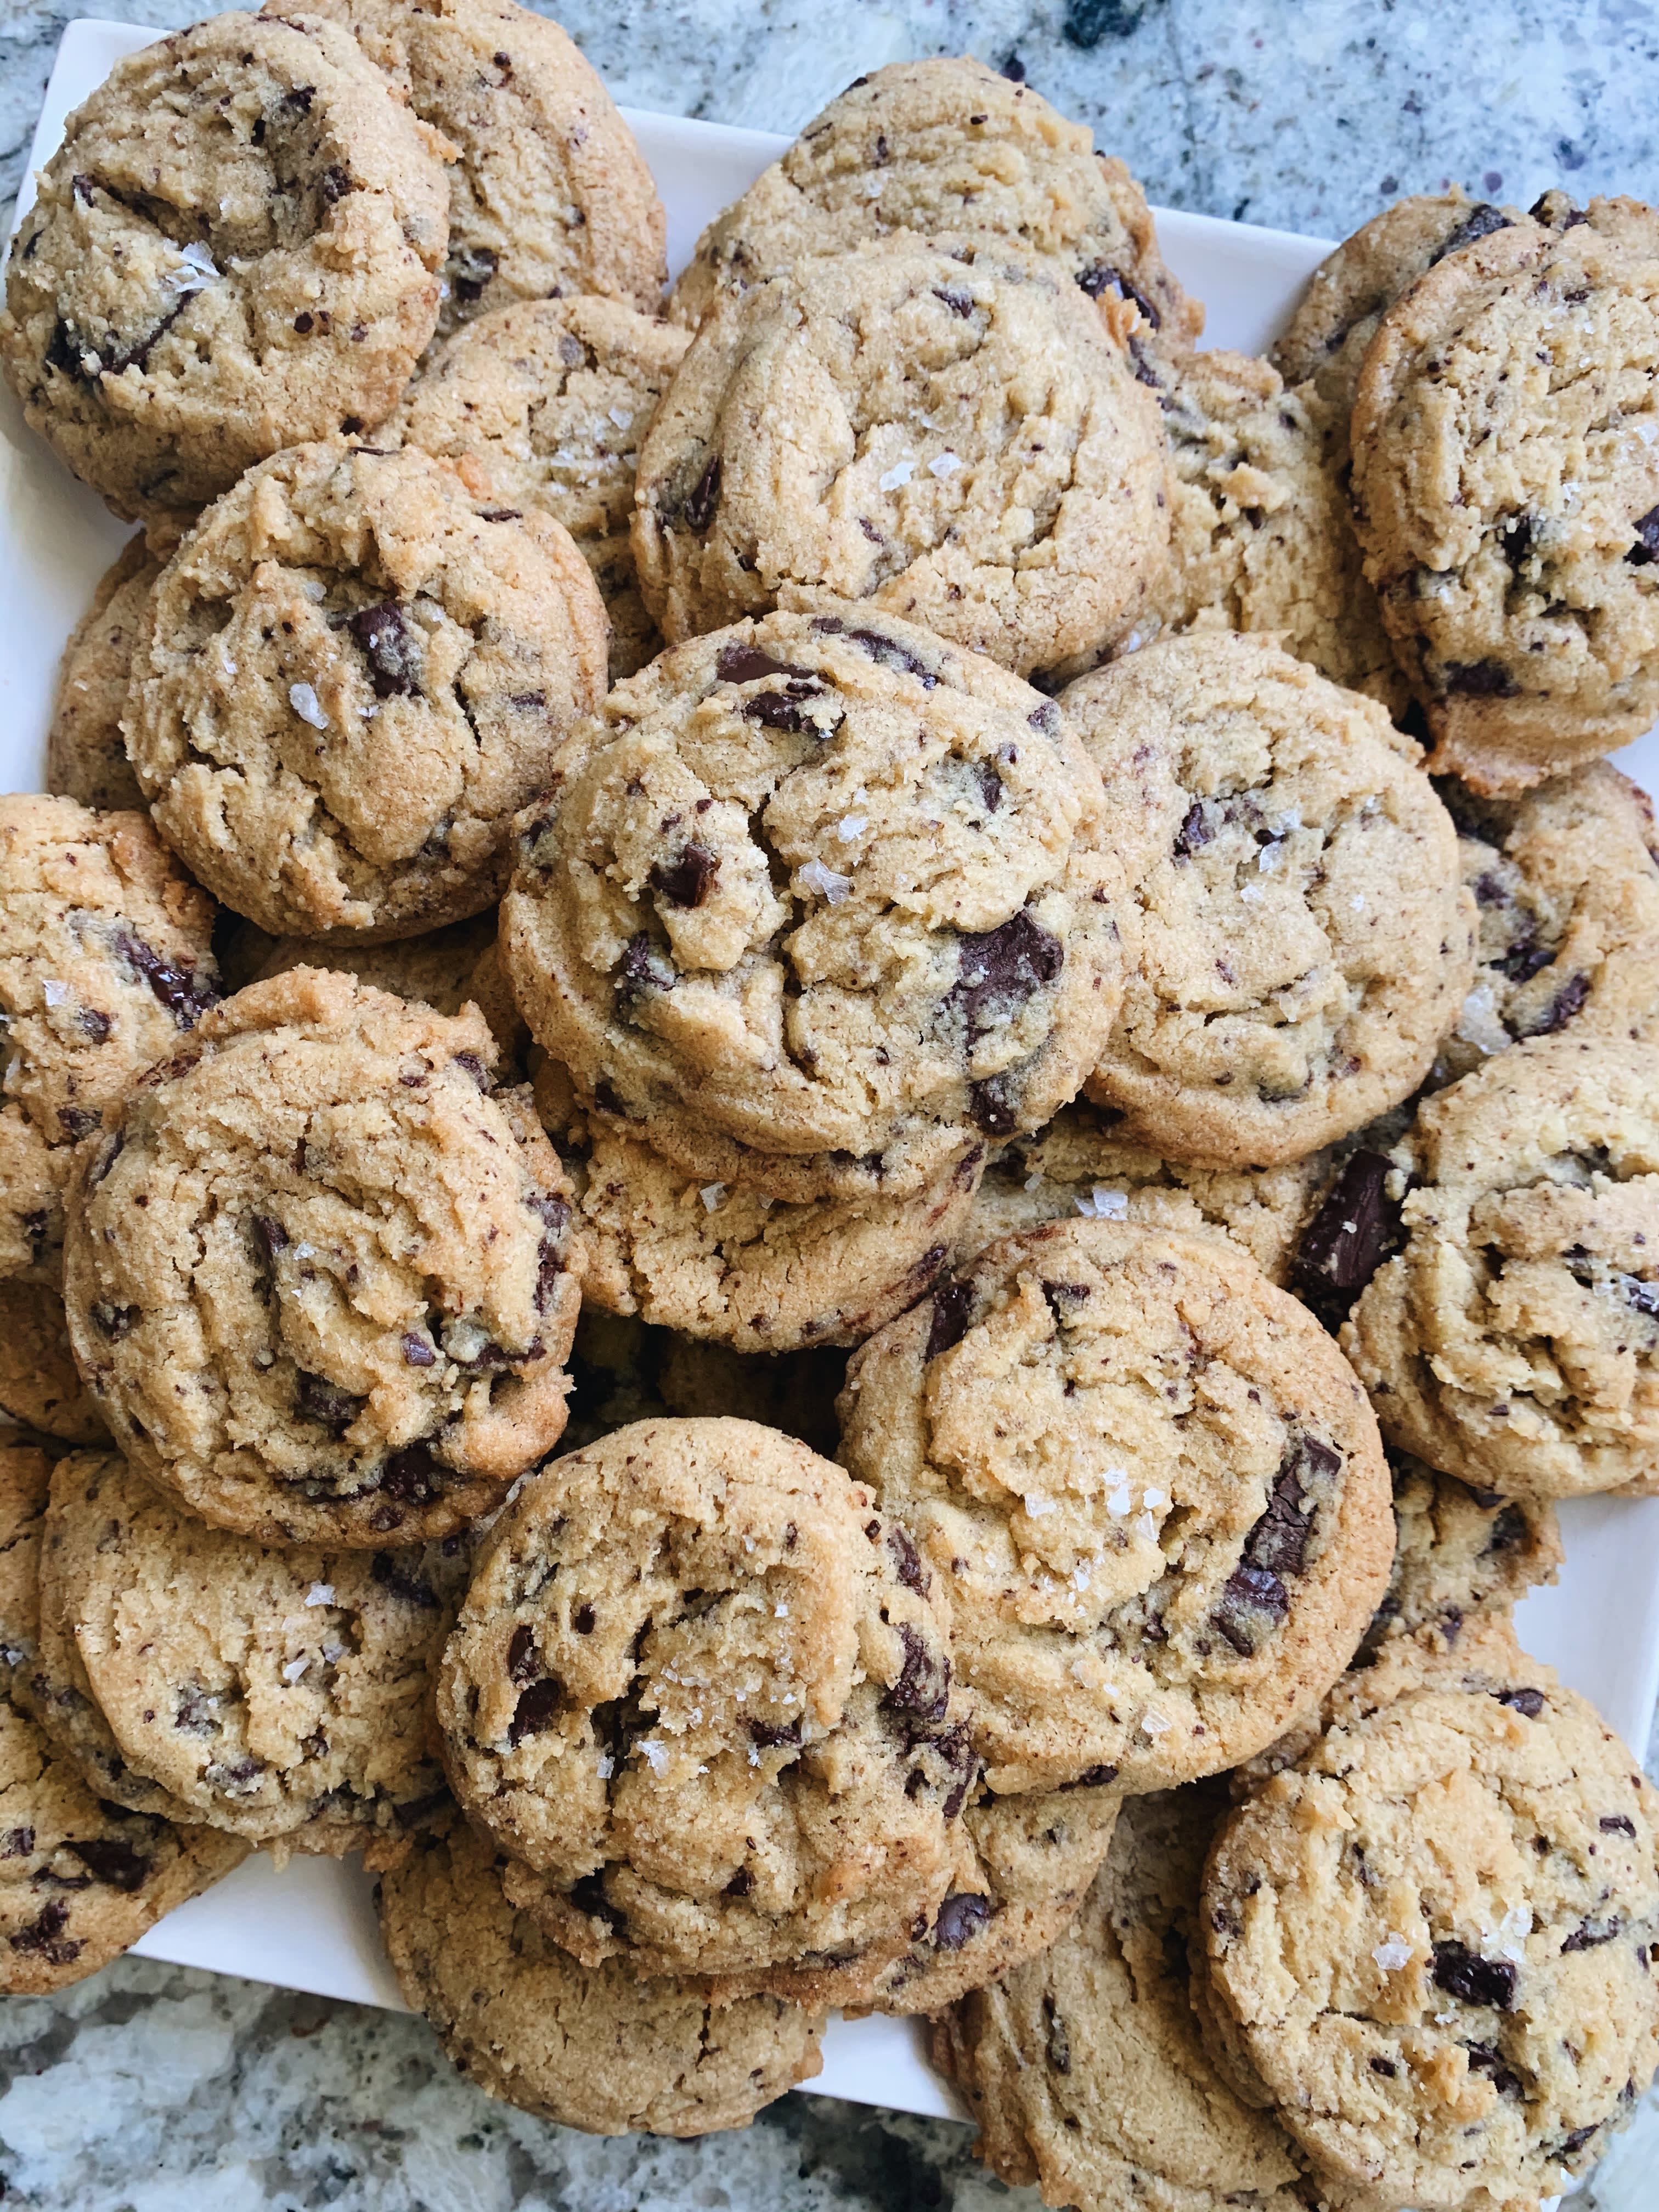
x: 829, y: 1106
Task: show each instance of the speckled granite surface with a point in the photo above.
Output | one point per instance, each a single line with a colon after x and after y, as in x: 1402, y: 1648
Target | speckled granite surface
x: 157, y: 2089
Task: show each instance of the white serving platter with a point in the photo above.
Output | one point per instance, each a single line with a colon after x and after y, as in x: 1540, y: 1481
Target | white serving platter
x: 312, y: 1927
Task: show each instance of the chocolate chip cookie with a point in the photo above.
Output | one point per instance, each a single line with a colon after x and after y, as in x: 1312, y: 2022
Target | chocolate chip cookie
x: 1078, y: 1166
x: 544, y: 404
x: 1515, y: 1339
x: 1259, y: 534
x: 104, y: 964
x: 318, y: 1277
x: 821, y: 896
x: 353, y: 673
x: 547, y: 191
x: 963, y: 441
x: 1085, y: 2069
x: 1304, y: 940
x: 1566, y: 884
x: 1432, y: 1940
x: 1458, y: 1552
x: 698, y: 1691
x: 235, y: 248
x: 1506, y: 489
x: 591, y: 2047
x: 1151, y: 1489
x: 949, y: 149
x: 86, y: 753
x: 81, y: 1879
x: 279, y: 1693
x: 438, y: 968
x: 747, y: 1270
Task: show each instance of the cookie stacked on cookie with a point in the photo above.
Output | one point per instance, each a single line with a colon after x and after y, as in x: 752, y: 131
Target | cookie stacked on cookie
x: 871, y: 834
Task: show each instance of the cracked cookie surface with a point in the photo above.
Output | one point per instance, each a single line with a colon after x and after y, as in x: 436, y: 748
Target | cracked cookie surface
x: 1514, y: 1339
x: 544, y: 404
x: 1506, y: 488
x: 948, y: 148
x: 235, y: 249
x: 1460, y: 1551
x: 318, y: 1279
x: 81, y: 1879
x: 1432, y: 1939
x: 39, y: 1384
x: 592, y: 2047
x: 963, y: 442
x: 106, y: 963
x: 547, y: 191
x: 1151, y: 1490
x: 276, y: 1693
x: 699, y: 1694
x: 353, y: 673
x: 1305, y: 942
x: 820, y: 898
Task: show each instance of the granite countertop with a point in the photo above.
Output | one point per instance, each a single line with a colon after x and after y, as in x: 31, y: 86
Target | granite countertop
x: 156, y: 2088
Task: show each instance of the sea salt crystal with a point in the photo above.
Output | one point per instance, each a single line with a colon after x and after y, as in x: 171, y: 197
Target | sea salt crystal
x: 713, y: 1195
x: 656, y: 1754
x: 943, y: 464
x: 294, y: 1669
x: 1252, y: 894
x: 332, y: 1654
x: 1154, y: 1500
x: 307, y: 705
x: 1119, y: 1504
x: 1393, y: 1954
x: 851, y: 826
x: 780, y: 1611
x: 620, y: 416
x: 1269, y: 857
x: 53, y: 991
x: 1034, y: 1180
x: 320, y: 1593
x: 195, y: 272
x: 605, y: 1766
x: 1147, y: 1527
x: 1036, y: 1507
x: 1104, y: 1205
x: 899, y: 475
x: 1133, y: 643
x: 1154, y: 1724
x: 825, y: 881
x: 1479, y: 1023
x: 1512, y: 1931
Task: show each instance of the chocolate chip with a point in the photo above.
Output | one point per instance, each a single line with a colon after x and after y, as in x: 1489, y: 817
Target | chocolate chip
x: 686, y: 880
x: 1480, y: 221
x: 193, y: 1714
x: 392, y: 649
x: 644, y: 969
x: 475, y: 1067
x: 767, y: 1737
x: 1385, y: 2066
x: 320, y: 1400
x: 906, y: 1559
x: 1568, y: 1001
x: 471, y: 271
x: 1357, y: 1227
x: 44, y: 1937
x: 583, y: 1619
x: 1249, y: 1597
x: 959, y: 303
x: 78, y: 1121
x: 1617, y: 1824
x: 1508, y: 1530
x: 997, y: 969
x: 1194, y: 832
x: 1463, y: 1974
x: 17, y: 1843
x: 1478, y: 679
x: 1094, y: 1777
x: 957, y: 1754
x: 114, y: 1322
x: 95, y: 1025
x: 1524, y: 958
x: 1571, y: 2144
x: 588, y: 1896
x: 703, y: 498
x: 1646, y: 548
x: 524, y: 1661
x: 924, y: 1684
x: 411, y: 1475
x: 538, y: 1708
x: 1590, y: 1935
x: 953, y: 1308
x: 991, y: 1107
x: 747, y: 664
x: 384, y: 1570
x: 784, y: 709
x: 175, y: 986
x: 417, y: 1352
x: 961, y: 1915
x: 110, y: 1860
x: 887, y: 652
x: 1516, y: 536
x: 740, y: 1884
x: 1483, y: 2059
x: 336, y: 185
x: 1102, y: 277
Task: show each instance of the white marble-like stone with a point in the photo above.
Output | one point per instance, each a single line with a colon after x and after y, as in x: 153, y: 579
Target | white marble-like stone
x: 156, y: 2089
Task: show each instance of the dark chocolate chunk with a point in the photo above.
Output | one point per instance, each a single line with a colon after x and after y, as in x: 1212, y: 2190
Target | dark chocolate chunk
x: 959, y: 303
x: 1617, y: 1824
x: 888, y: 651
x: 318, y: 1399
x: 953, y: 1308
x: 44, y: 1937
x: 115, y: 1863
x: 1480, y: 221
x: 644, y: 968
x: 1590, y: 1935
x: 411, y: 1475
x: 384, y: 1570
x: 1465, y: 1974
x: 747, y: 664
x: 471, y: 271
x: 177, y: 988
x: 924, y: 1684
x: 1058, y: 2041
x: 78, y: 1121
x: 538, y: 1708
x: 997, y: 969
x: 1483, y: 2059
x: 114, y: 1322
x: 740, y: 1884
x: 767, y: 1737
x: 392, y: 648
x: 1251, y: 1598
x: 1478, y: 679
x: 703, y: 498
x: 1646, y: 548
x: 991, y: 1107
x: 1523, y: 1700
x: 906, y: 1559
x: 1358, y: 1227
x: 962, y: 1914
x: 686, y: 880
x: 1567, y: 1002
x: 1194, y: 833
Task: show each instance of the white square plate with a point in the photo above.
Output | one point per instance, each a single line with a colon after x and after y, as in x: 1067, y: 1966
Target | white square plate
x: 312, y: 1926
